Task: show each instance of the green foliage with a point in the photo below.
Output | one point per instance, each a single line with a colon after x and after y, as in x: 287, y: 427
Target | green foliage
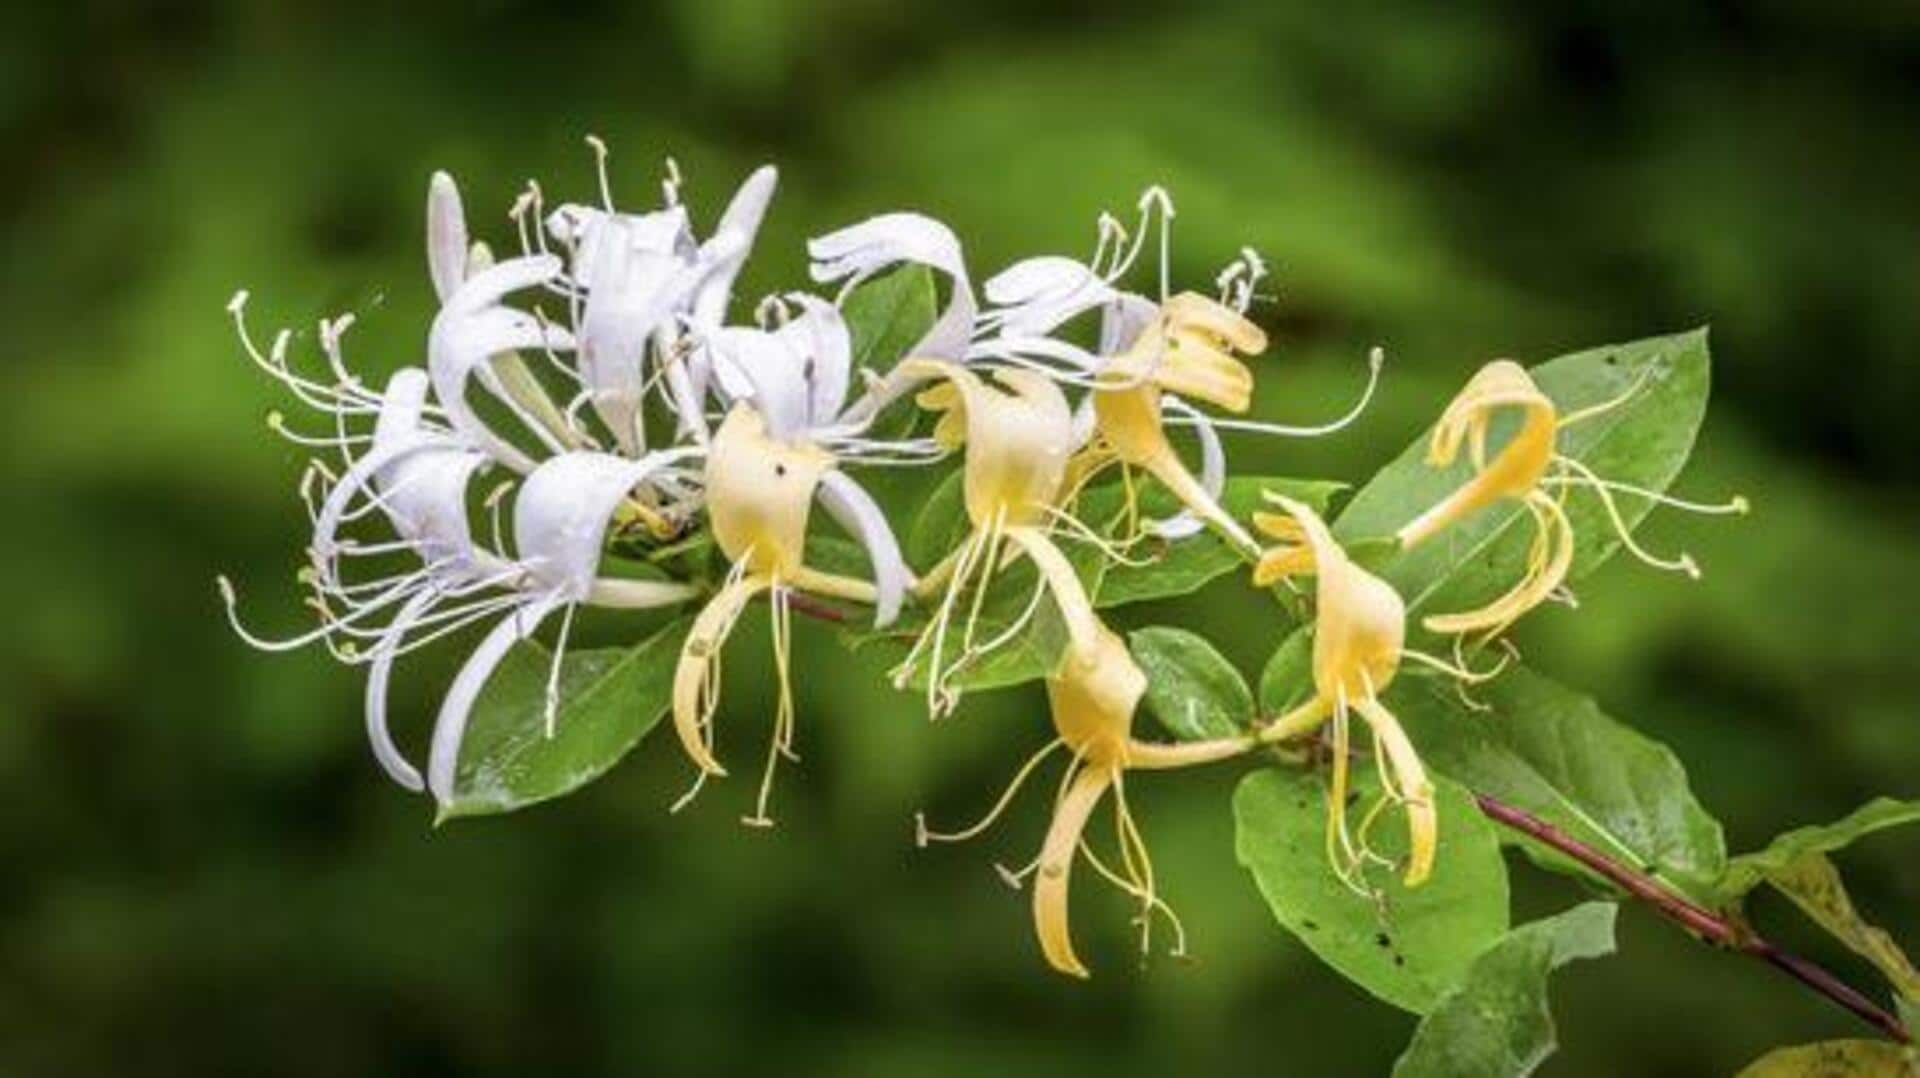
x: 1412, y: 947
x: 609, y: 699
x: 1191, y: 688
x: 1497, y: 1023
x: 1814, y: 885
x: 1834, y: 1059
x: 1542, y: 747
x: 885, y: 315
x: 1746, y: 871
x: 1643, y: 440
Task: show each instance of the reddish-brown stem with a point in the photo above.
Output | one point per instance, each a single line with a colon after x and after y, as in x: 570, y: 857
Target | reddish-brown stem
x: 1696, y: 919
x: 814, y: 608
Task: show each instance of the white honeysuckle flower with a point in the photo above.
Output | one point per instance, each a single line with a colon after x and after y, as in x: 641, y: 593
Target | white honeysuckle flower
x: 560, y: 521
x: 852, y: 255
x: 643, y: 278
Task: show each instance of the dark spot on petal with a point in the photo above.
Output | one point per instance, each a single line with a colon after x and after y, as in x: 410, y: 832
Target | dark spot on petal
x: 780, y: 470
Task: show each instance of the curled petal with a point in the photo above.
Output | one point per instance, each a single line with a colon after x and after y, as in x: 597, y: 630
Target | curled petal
x: 855, y: 253
x: 694, y: 693
x: 379, y: 672
x: 854, y: 509
x: 450, y: 728
x: 561, y: 515
x: 1036, y: 295
x: 1050, y: 911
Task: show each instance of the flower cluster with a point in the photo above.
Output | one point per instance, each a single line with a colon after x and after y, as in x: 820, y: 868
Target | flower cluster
x: 601, y: 386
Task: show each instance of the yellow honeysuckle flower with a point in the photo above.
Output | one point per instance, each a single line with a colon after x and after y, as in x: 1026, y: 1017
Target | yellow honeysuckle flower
x: 1188, y: 350
x: 760, y: 493
x: 1018, y: 434
x: 1093, y: 696
x: 1531, y: 470
x: 1358, y: 645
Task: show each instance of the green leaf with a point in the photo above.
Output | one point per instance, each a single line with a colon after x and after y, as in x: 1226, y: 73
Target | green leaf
x: 940, y: 525
x: 1542, y: 747
x: 1191, y: 688
x: 609, y: 699
x: 1498, y: 1025
x: 1833, y: 1059
x: 1287, y: 679
x: 1748, y: 869
x: 1814, y: 885
x: 1643, y: 441
x: 887, y: 314
x: 1413, y: 946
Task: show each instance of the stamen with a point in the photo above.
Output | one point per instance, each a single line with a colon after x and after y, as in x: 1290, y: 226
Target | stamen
x: 1737, y: 505
x: 923, y: 835
x: 1581, y: 415
x: 553, y: 670
x: 1683, y: 563
x: 600, y: 169
x: 1376, y: 359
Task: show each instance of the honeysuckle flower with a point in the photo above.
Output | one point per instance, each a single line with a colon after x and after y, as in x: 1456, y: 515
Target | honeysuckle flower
x: 1529, y: 469
x: 1359, y: 640
x: 1018, y: 433
x: 1092, y: 697
x: 858, y: 252
x: 560, y: 519
x: 1153, y: 360
x: 763, y: 472
x: 640, y: 281
x: 477, y: 337
x: 416, y: 473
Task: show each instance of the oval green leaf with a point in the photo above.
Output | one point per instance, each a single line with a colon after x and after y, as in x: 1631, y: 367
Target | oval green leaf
x: 609, y: 699
x: 1543, y: 747
x: 1498, y: 1024
x: 1191, y: 688
x: 1412, y: 947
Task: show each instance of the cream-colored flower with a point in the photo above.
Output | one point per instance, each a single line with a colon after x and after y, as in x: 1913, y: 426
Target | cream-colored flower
x: 1358, y: 645
x: 1093, y: 695
x: 760, y: 491
x: 1018, y: 433
x: 1529, y: 469
x: 1190, y: 350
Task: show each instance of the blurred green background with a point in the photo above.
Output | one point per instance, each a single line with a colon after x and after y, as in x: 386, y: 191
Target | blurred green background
x: 201, y: 870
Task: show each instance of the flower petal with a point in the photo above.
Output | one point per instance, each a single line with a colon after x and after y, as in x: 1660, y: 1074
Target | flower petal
x: 447, y: 243
x: 824, y: 348
x: 562, y: 512
x: 755, y: 365
x: 848, y: 503
x: 378, y: 673
x: 731, y: 243
x: 1035, y: 295
x: 855, y: 253
x: 450, y: 728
